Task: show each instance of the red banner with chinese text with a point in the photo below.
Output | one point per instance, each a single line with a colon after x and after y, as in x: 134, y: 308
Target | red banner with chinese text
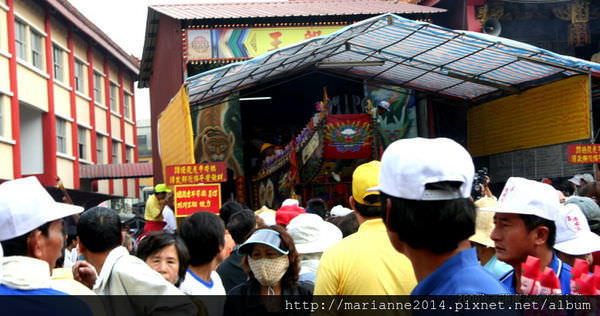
x: 348, y: 136
x: 190, y: 199
x: 584, y: 153
x: 196, y: 173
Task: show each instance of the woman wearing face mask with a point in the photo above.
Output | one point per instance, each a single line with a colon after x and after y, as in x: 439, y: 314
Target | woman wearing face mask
x: 273, y: 265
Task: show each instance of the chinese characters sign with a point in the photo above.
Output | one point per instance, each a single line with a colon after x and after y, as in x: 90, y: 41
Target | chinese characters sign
x: 196, y: 173
x: 246, y: 43
x: 584, y: 153
x: 190, y: 199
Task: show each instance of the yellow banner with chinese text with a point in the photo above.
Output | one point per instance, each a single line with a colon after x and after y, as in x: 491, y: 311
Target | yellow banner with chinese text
x: 555, y: 113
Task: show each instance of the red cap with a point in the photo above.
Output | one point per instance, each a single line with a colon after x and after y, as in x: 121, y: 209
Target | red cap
x: 286, y: 213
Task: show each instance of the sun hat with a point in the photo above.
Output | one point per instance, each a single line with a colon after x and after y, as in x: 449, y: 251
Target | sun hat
x: 527, y: 197
x: 573, y: 234
x: 339, y: 210
x: 364, y: 177
x: 311, y: 234
x: 263, y: 236
x: 25, y: 205
x: 590, y: 209
x: 408, y: 165
x: 484, y: 222
x: 161, y: 188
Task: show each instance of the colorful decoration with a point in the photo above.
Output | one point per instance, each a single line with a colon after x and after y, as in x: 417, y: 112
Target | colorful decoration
x: 347, y: 136
x: 207, y: 44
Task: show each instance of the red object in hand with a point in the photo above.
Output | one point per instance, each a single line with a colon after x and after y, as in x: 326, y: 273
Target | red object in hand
x: 549, y: 283
x: 530, y: 276
x: 585, y: 285
x: 579, y: 267
x: 597, y: 279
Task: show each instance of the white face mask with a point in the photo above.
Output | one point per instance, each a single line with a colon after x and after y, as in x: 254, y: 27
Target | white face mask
x: 269, y: 271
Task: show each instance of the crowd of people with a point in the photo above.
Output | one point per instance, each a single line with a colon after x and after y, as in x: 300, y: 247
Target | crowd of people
x: 410, y: 228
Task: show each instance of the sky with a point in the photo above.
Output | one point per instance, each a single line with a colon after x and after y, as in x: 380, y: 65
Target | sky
x: 125, y: 23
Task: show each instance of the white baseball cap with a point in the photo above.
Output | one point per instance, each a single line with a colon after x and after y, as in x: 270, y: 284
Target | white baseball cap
x: 311, y: 234
x: 407, y: 165
x: 339, y: 210
x: 573, y: 234
x: 576, y: 179
x: 528, y: 197
x: 25, y: 205
x: 384, y: 104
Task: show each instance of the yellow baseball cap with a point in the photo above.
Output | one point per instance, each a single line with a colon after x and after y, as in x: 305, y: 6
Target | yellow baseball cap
x: 161, y: 188
x: 364, y: 177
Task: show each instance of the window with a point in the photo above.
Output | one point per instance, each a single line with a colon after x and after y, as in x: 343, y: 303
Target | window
x: 57, y: 53
x: 20, y: 30
x: 37, y: 50
x: 82, y: 141
x: 114, y: 105
x: 97, y: 87
x: 127, y: 105
x: 115, y: 152
x: 61, y: 135
x: 79, y: 76
x: 100, y: 149
x: 142, y: 140
x: 129, y: 156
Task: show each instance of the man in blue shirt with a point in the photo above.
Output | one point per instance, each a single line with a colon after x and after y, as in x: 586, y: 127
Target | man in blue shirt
x: 524, y: 226
x: 425, y: 186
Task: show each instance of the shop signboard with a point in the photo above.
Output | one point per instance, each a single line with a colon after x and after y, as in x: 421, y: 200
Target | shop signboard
x: 584, y: 153
x: 193, y: 198
x: 196, y: 173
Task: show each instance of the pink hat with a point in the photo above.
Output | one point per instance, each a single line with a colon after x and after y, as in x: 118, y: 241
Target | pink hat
x: 286, y: 213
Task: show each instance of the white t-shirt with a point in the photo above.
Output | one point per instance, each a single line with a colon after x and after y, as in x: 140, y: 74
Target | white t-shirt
x: 169, y: 218
x: 194, y: 285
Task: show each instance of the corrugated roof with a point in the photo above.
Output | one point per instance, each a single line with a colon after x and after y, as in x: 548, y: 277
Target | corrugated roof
x: 418, y: 55
x: 116, y: 171
x: 288, y: 8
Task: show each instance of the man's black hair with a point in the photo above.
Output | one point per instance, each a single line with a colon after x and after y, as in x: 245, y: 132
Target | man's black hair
x: 240, y: 225
x: 99, y: 229
x: 437, y: 226
x: 532, y: 222
x: 203, y: 234
x: 317, y: 206
x: 369, y: 211
x: 18, y: 246
x: 228, y: 209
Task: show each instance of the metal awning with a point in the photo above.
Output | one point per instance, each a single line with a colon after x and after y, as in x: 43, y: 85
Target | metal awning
x: 116, y: 171
x: 456, y: 64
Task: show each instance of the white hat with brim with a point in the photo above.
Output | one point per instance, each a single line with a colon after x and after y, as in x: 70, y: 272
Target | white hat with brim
x: 573, y: 234
x: 25, y: 205
x: 527, y: 197
x: 312, y: 234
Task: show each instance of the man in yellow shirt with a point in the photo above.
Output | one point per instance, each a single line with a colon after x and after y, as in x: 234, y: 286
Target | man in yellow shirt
x: 154, y: 206
x: 365, y: 263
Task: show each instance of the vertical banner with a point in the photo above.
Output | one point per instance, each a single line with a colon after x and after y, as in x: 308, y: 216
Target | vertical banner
x: 348, y: 136
x: 399, y: 120
x: 193, y: 198
x: 218, y: 138
x: 175, y: 134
